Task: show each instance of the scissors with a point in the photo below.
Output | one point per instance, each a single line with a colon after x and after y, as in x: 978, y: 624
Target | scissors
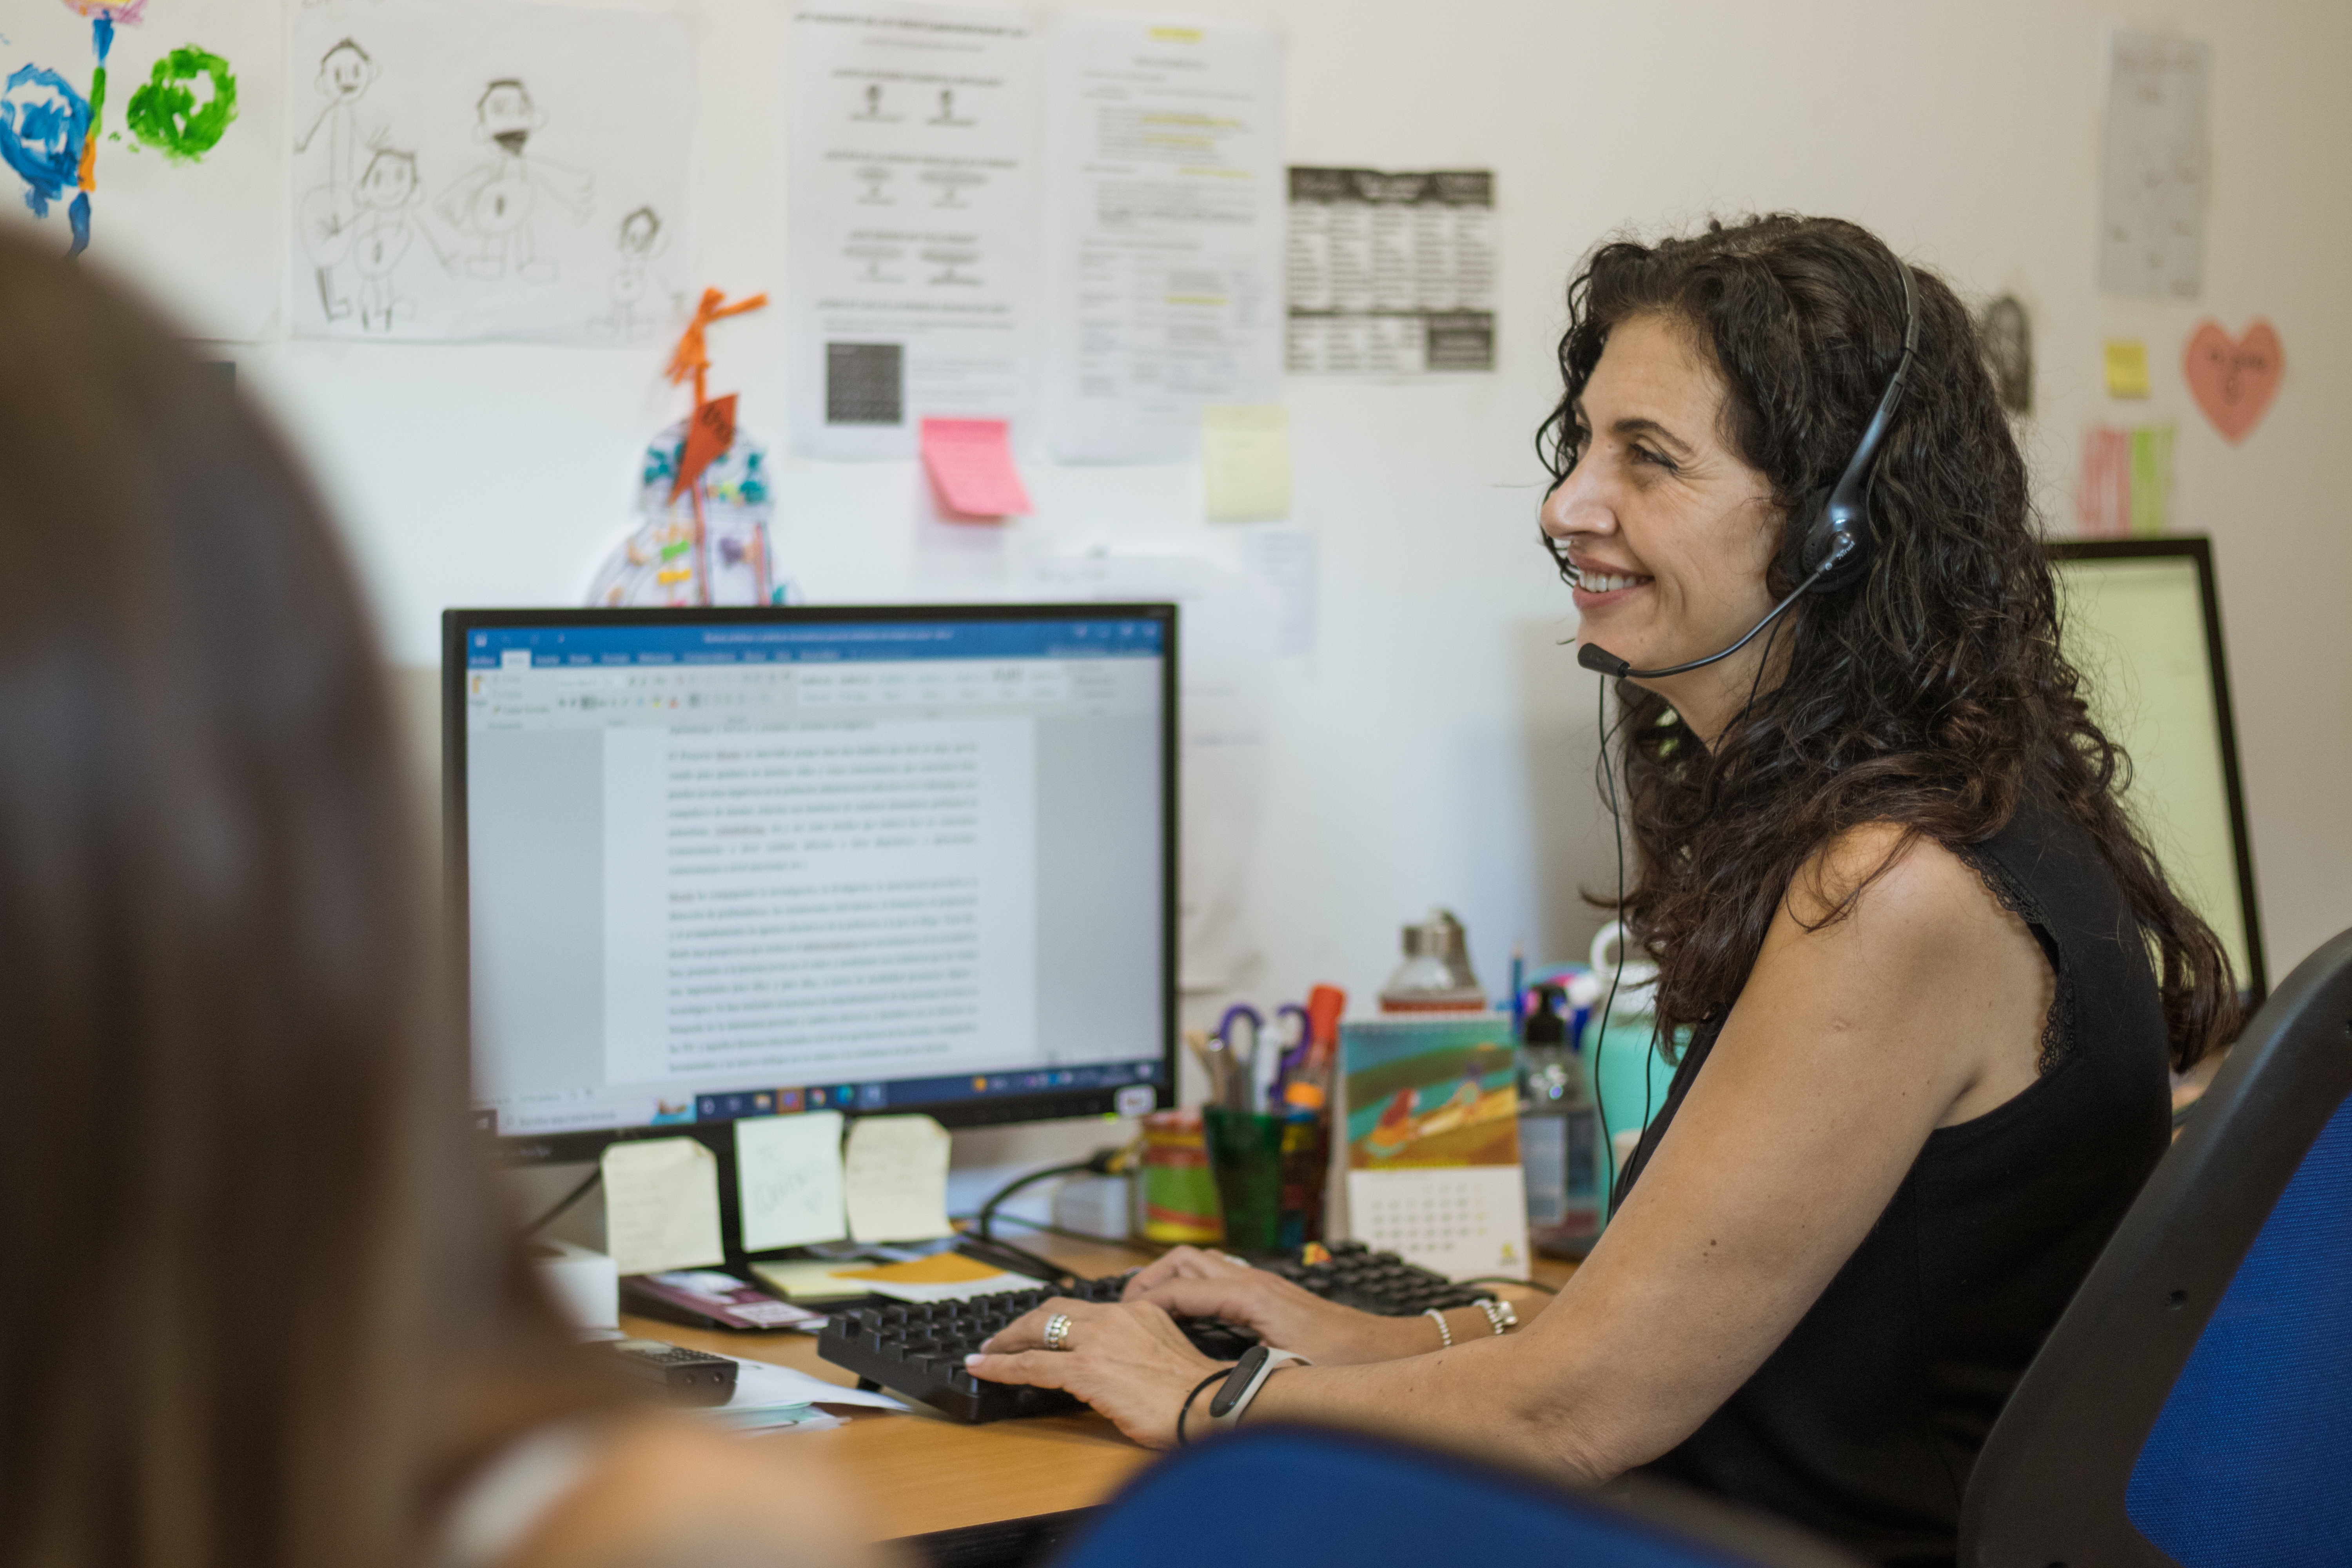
x: 1243, y: 1081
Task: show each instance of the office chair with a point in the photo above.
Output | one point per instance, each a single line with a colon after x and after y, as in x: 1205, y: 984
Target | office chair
x: 2194, y: 1403
x: 1278, y: 1497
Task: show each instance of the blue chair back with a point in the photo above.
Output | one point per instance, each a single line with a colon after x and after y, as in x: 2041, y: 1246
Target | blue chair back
x: 2194, y: 1405
x: 1280, y: 1497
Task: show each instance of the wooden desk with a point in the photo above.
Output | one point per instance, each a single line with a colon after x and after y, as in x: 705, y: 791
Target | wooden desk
x: 921, y: 1474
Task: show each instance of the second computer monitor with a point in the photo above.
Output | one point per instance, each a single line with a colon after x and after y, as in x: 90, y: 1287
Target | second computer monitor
x: 718, y: 863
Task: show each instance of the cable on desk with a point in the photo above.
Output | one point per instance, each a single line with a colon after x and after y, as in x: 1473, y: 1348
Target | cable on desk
x: 1132, y: 1243
x: 1101, y: 1163
x: 564, y: 1203
x: 1506, y: 1279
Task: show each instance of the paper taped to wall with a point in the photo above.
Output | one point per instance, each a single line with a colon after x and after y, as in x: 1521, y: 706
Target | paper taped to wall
x: 2152, y: 185
x: 1164, y: 227
x: 464, y: 173
x: 914, y: 217
x: 1391, y: 273
x: 146, y: 133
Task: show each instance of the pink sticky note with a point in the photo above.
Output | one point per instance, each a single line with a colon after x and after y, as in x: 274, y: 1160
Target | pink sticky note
x: 971, y: 467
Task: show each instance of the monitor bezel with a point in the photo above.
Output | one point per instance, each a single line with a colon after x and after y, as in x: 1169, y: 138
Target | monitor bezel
x: 2198, y: 549
x: 588, y: 1143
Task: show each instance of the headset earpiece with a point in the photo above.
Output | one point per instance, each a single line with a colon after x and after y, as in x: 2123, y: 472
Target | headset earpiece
x: 1830, y: 524
x: 1837, y: 532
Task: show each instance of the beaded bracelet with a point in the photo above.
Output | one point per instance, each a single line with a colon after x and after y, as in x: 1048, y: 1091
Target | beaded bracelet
x: 1434, y: 1316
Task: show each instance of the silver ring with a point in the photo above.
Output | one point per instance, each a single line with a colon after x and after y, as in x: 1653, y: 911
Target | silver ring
x: 1057, y: 1332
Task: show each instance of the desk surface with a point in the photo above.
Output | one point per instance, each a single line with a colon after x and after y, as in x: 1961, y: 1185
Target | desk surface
x: 920, y: 1472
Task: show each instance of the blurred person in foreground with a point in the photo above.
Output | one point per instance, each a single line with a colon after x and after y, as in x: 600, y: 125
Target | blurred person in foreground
x: 267, y: 1311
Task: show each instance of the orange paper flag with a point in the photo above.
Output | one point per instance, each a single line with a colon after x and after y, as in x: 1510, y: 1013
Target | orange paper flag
x: 707, y: 435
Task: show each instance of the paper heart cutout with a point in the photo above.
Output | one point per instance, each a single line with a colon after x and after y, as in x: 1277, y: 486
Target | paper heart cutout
x: 2234, y: 381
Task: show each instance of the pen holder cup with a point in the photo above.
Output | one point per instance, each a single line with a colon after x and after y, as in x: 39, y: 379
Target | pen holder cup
x: 1270, y: 1172
x: 1180, y: 1195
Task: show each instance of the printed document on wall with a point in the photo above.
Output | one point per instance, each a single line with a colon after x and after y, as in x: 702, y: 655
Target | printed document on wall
x: 1392, y: 274
x: 485, y: 171
x: 913, y: 225
x: 2152, y: 188
x: 146, y: 136
x: 1164, y: 229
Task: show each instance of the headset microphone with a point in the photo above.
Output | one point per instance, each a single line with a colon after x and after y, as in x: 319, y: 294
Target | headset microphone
x: 1599, y: 659
x: 1832, y: 550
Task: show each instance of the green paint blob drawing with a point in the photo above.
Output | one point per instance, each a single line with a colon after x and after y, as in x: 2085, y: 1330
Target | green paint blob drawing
x: 166, y: 114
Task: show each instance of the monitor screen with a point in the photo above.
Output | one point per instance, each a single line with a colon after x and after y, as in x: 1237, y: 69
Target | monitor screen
x: 727, y: 863
x: 2142, y: 627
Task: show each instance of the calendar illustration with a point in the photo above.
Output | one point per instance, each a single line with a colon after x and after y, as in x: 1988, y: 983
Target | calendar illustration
x: 1433, y: 1142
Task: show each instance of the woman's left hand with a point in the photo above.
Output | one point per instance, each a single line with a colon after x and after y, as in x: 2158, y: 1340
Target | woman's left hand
x: 1128, y: 1360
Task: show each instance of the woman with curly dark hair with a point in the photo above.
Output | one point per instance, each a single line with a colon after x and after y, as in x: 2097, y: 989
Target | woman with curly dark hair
x: 1930, y: 973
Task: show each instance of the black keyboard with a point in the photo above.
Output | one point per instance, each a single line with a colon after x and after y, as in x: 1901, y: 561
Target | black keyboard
x: 918, y: 1350
x: 1378, y: 1282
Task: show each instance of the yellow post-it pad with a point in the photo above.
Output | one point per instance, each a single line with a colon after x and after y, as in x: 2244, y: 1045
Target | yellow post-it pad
x: 812, y: 1281
x: 1245, y: 462
x: 2126, y: 368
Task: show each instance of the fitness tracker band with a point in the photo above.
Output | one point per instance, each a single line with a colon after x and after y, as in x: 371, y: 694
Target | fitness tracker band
x: 1249, y: 1375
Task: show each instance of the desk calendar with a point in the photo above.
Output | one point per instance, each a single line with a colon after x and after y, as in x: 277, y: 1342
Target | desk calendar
x: 1430, y: 1109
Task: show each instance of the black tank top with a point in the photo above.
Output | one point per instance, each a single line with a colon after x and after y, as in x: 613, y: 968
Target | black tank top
x: 1864, y: 1423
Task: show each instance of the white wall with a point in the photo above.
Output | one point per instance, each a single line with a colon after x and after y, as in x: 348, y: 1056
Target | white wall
x: 1437, y: 746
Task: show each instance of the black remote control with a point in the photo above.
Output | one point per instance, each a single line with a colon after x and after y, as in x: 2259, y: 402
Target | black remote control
x: 687, y: 1377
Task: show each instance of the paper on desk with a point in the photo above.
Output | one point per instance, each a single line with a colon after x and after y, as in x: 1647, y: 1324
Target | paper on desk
x: 788, y: 1175
x: 661, y: 1205
x: 971, y: 469
x: 763, y: 1385
x: 946, y: 1276
x: 779, y: 1418
x: 897, y: 1169
x: 1245, y: 461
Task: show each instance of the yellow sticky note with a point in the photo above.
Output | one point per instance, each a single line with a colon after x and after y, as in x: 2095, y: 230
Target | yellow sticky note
x: 2126, y: 367
x: 896, y: 1169
x: 788, y: 1174
x: 661, y: 1205
x: 1245, y: 461
x: 804, y: 1281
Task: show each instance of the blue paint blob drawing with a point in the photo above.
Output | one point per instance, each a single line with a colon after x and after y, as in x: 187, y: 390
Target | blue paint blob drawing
x: 43, y: 124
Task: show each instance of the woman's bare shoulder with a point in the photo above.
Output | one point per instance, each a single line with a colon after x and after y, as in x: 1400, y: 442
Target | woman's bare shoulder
x: 1890, y: 874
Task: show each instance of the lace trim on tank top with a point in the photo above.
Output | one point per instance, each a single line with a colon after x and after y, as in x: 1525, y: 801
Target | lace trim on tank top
x: 2058, y: 1025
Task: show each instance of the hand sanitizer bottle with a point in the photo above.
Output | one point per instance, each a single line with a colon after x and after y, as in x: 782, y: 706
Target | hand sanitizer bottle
x: 1559, y: 1134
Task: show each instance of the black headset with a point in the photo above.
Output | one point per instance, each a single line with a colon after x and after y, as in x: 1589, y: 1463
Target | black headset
x: 1833, y: 547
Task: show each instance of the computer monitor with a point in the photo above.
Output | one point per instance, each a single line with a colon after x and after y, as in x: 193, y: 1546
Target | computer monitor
x: 2142, y: 624
x: 714, y: 864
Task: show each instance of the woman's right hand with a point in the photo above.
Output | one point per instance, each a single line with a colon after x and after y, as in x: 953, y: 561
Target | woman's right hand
x: 1190, y: 1283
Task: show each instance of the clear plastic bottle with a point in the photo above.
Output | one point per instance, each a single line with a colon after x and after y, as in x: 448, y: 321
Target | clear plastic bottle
x: 1559, y: 1134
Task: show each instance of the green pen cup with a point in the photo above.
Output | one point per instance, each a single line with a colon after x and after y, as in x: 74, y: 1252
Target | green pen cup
x: 1270, y: 1172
